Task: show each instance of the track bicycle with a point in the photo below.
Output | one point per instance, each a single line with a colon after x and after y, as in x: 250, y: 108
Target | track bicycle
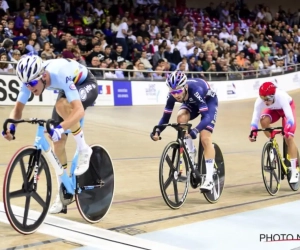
x: 178, y: 168
x: 93, y: 190
x: 275, y: 164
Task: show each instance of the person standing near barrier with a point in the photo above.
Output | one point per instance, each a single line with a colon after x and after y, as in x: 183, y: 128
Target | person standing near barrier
x: 121, y: 37
x: 197, y: 98
x: 277, y: 104
x: 77, y: 90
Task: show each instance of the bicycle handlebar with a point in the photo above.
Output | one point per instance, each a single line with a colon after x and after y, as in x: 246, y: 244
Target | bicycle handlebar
x: 29, y: 120
x: 176, y: 126
x: 266, y: 130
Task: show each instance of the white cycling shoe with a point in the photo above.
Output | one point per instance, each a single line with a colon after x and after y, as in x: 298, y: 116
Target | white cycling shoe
x: 83, y: 164
x: 57, y: 206
x: 207, y: 185
x: 294, y: 175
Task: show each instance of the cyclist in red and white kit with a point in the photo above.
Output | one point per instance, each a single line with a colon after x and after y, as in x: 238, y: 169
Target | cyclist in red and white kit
x: 277, y: 104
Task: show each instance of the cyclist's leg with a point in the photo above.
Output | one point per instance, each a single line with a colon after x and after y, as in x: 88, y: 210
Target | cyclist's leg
x: 88, y: 92
x: 184, y: 115
x: 292, y: 147
x: 206, y: 140
x: 60, y: 152
x: 59, y: 146
x: 268, y: 116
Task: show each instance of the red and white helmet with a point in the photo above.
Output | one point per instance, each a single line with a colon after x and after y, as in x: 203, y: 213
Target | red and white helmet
x: 267, y: 91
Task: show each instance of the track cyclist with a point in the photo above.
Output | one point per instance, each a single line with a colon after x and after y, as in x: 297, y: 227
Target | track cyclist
x: 277, y: 104
x: 197, y: 98
x: 78, y: 89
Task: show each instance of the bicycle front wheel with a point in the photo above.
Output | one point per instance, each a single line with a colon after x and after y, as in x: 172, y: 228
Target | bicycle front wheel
x: 26, y: 204
x: 174, y: 175
x: 271, y: 168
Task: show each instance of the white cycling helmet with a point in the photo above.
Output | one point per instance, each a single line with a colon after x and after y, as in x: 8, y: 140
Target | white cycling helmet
x: 29, y: 68
x: 176, y: 79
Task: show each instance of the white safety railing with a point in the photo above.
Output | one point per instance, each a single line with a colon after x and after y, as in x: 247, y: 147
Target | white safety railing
x: 223, y: 75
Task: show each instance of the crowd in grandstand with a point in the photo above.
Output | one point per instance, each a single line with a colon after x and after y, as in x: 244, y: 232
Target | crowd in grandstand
x: 222, y: 37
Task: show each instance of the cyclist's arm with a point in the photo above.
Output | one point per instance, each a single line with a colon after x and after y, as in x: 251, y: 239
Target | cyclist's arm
x: 287, y: 109
x: 73, y: 98
x: 256, y: 112
x: 167, y: 111
x: 22, y: 99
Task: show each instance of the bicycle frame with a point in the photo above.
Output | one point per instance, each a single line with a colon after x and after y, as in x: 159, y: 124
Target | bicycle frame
x: 180, y: 139
x: 42, y: 144
x: 276, y: 146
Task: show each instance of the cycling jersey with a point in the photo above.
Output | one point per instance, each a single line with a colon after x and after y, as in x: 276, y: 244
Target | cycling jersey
x: 64, y: 75
x: 282, y: 102
x: 201, y: 100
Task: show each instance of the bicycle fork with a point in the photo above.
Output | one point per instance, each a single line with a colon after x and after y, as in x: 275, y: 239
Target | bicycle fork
x: 32, y: 171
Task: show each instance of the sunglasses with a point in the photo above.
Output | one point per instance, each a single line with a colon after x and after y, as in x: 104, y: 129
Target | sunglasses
x: 176, y: 91
x: 33, y: 82
x: 267, y: 98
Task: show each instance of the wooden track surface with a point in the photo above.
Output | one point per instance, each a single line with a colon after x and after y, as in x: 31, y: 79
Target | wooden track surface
x: 138, y: 206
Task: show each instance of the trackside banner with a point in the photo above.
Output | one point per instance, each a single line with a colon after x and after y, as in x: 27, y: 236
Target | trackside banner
x: 128, y: 93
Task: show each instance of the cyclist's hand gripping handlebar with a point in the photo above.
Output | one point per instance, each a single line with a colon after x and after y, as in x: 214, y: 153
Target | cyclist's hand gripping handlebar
x: 12, y: 127
x: 156, y: 130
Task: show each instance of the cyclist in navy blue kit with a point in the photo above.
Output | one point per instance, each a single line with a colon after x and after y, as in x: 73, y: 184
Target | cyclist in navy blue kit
x: 197, y: 98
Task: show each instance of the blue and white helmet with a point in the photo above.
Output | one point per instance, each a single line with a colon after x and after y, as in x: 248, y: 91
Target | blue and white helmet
x: 176, y: 79
x: 29, y: 68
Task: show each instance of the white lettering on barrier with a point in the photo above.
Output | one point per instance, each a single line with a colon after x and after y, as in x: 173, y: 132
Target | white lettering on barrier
x: 124, y: 93
x: 9, y: 90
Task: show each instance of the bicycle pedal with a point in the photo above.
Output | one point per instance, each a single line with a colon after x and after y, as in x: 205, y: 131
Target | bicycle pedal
x: 65, y: 197
x: 182, y: 178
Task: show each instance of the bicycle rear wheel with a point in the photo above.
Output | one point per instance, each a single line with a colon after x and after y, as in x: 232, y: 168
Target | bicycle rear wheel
x: 271, y: 167
x: 26, y: 207
x: 218, y: 177
x: 293, y: 186
x: 97, y: 185
x: 172, y: 172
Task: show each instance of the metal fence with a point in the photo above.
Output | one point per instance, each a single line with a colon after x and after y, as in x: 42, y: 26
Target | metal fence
x: 215, y: 76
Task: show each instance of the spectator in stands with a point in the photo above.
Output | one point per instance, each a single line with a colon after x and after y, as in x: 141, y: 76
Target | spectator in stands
x: 121, y: 36
x: 116, y: 55
x: 42, y: 16
x: 145, y: 61
x: 48, y: 51
x: 5, y: 67
x: 43, y: 38
x: 265, y: 50
x: 139, y: 74
x: 54, y: 38
x: 138, y: 47
x: 16, y: 55
x: 119, y: 72
x: 158, y: 75
x: 95, y: 63
x: 158, y: 55
x: 159, y: 32
x: 22, y: 47
x: 277, y: 67
x: 111, y: 73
